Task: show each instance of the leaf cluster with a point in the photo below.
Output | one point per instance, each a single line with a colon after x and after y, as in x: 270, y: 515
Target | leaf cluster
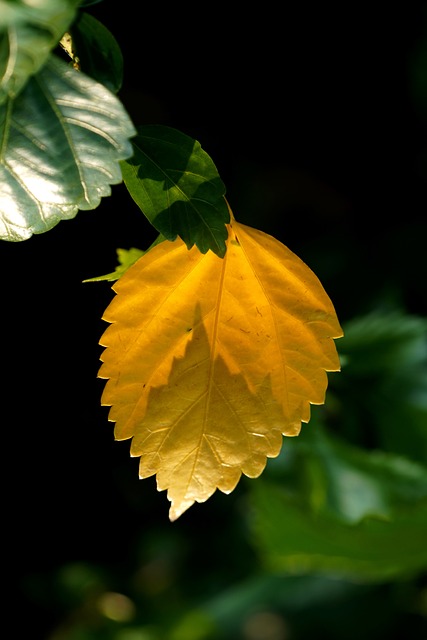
x: 348, y: 497
x: 66, y: 137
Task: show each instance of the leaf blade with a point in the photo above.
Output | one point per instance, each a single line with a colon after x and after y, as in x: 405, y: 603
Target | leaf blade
x: 98, y: 51
x: 27, y: 36
x: 177, y: 187
x: 202, y: 324
x: 200, y: 395
x: 62, y: 141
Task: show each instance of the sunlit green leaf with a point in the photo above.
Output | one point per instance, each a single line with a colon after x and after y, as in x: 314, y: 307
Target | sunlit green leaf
x: 126, y: 258
x: 177, y: 187
x: 62, y: 141
x: 28, y: 33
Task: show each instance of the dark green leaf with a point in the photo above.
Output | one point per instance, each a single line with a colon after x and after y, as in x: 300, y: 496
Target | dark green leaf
x: 98, y: 52
x: 62, y: 141
x: 177, y: 187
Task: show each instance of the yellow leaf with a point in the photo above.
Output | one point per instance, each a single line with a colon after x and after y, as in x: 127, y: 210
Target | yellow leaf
x: 204, y: 428
x: 210, y: 361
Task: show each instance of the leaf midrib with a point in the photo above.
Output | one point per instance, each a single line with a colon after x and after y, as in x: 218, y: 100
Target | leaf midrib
x: 181, y: 192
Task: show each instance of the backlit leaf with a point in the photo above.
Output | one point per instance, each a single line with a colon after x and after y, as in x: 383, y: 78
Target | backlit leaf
x: 126, y: 258
x: 177, y: 186
x: 209, y: 361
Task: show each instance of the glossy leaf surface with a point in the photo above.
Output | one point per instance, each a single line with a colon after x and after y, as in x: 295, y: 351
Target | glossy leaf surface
x: 62, y: 141
x: 209, y: 361
x: 28, y: 33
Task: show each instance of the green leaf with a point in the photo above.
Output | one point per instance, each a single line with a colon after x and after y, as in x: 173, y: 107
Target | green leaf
x: 385, y: 354
x: 290, y: 537
x: 352, y: 483
x: 326, y: 506
x: 384, y: 342
x: 62, y: 140
x: 98, y: 52
x: 28, y: 33
x: 126, y: 258
x: 177, y: 187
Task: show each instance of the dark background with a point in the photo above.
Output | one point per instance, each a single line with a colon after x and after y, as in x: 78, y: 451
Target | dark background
x: 316, y: 120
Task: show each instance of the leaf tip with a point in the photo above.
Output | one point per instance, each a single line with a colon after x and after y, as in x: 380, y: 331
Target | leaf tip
x: 176, y: 510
